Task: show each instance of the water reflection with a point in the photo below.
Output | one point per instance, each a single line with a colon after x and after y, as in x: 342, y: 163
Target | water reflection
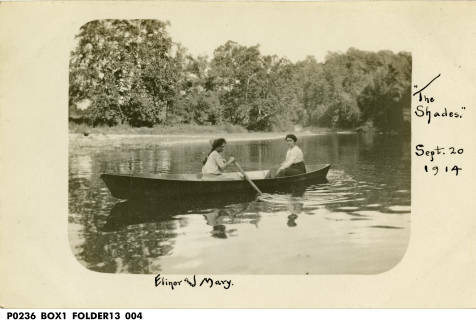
x: 295, y: 207
x: 219, y: 218
x: 126, y: 213
x: 358, y: 222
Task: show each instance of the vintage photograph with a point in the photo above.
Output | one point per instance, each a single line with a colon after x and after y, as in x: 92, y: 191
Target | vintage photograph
x: 199, y: 152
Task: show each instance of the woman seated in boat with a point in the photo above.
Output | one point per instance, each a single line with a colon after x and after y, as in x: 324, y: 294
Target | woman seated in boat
x: 215, y: 163
x: 294, y: 163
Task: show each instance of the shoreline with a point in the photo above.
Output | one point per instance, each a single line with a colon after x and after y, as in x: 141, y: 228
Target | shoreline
x: 99, y: 140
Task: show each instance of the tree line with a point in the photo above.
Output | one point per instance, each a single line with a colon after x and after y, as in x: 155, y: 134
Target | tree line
x: 132, y: 72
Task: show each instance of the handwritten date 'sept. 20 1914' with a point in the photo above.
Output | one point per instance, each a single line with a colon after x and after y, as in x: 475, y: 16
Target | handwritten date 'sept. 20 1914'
x: 435, y: 154
x: 425, y: 107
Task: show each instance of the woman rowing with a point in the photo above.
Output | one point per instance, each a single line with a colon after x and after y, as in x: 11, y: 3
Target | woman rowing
x: 215, y: 163
x: 294, y: 163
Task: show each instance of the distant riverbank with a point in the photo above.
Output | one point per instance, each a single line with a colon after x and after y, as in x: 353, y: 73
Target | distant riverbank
x: 118, y: 139
x: 156, y: 130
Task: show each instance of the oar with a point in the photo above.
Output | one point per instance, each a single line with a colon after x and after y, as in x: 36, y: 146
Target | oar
x: 248, y: 178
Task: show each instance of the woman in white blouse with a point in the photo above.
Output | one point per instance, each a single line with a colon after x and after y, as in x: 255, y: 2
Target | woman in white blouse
x: 294, y: 163
x: 215, y: 164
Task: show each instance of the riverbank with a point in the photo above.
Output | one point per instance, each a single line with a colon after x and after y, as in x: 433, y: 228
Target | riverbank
x: 116, y: 140
x: 155, y: 130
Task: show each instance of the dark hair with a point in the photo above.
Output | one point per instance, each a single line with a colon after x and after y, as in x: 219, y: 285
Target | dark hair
x: 291, y: 136
x: 215, y: 145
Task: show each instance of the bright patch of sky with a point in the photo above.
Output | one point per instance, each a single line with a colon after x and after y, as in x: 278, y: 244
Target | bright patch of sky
x: 292, y: 30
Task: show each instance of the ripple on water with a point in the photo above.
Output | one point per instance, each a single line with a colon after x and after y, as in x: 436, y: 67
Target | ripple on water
x: 385, y: 227
x: 402, y: 191
x: 334, y: 219
x: 373, y: 205
x: 348, y: 208
x: 355, y: 214
x: 365, y: 213
x: 399, y: 209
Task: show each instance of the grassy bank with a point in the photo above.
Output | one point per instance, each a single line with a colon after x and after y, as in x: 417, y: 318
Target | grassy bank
x: 155, y: 130
x: 85, y: 136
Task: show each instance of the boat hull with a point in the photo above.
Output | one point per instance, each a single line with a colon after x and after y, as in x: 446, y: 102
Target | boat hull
x: 153, y: 187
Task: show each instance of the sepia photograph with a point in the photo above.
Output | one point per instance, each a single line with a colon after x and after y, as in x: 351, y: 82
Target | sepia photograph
x: 223, y: 155
x: 235, y: 160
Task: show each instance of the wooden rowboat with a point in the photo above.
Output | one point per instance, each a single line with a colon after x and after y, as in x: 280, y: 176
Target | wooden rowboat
x: 152, y: 186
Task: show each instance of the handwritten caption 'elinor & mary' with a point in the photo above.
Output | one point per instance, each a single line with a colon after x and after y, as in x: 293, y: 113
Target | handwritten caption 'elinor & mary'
x: 192, y: 281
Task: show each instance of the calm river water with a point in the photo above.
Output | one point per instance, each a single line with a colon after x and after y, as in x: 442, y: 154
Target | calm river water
x: 357, y: 223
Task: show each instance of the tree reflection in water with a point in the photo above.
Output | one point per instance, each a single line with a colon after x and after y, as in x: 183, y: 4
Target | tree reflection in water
x: 136, y: 233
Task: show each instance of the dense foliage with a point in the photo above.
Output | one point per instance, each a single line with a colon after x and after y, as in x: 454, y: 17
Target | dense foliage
x: 131, y: 72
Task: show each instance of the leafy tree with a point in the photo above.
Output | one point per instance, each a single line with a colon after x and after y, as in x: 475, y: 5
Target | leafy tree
x: 126, y: 69
x: 196, y: 102
x: 386, y: 100
x: 255, y: 91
